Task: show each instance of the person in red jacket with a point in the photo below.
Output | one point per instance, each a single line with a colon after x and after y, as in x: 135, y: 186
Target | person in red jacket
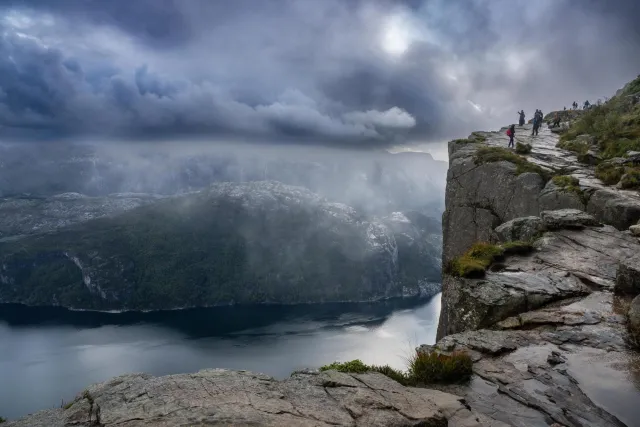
x: 511, y: 132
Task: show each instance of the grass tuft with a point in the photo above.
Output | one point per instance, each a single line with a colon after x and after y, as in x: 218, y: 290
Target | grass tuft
x: 498, y: 154
x: 424, y: 368
x: 631, y: 179
x: 523, y: 148
x: 434, y: 367
x: 609, y: 173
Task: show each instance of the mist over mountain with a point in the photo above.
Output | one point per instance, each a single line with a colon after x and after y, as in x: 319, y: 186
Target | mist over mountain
x: 160, y: 226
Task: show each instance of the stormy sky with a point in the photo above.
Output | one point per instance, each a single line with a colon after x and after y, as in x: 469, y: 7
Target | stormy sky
x: 346, y: 72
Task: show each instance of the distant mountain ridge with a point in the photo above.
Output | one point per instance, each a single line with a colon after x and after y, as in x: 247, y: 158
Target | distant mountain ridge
x: 232, y: 243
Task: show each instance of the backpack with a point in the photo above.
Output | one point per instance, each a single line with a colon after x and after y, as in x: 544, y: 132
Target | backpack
x: 509, y: 132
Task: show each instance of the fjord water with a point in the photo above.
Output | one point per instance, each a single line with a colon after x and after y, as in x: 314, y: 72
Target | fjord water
x: 48, y: 355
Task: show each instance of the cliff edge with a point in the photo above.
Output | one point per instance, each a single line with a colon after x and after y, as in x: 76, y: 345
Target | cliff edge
x: 542, y: 261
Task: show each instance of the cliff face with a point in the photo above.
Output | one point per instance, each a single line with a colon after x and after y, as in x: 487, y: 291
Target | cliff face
x: 545, y: 327
x: 490, y: 201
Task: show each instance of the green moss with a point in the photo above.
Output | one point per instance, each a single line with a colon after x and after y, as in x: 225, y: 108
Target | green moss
x: 498, y: 154
x: 479, y: 257
x: 608, y: 173
x: 631, y: 179
x: 523, y: 148
x: 424, y: 368
x: 475, y: 261
x: 67, y: 405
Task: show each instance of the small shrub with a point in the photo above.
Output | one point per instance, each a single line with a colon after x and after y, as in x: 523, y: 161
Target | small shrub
x: 433, y: 367
x: 631, y: 179
x: 3, y: 420
x: 609, y: 173
x: 498, y: 154
x: 523, y: 148
x: 424, y: 368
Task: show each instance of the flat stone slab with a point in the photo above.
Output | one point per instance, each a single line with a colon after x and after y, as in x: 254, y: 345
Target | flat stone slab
x: 241, y: 398
x: 567, y: 218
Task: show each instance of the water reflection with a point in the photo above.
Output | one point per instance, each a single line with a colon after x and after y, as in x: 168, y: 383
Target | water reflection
x: 51, y: 354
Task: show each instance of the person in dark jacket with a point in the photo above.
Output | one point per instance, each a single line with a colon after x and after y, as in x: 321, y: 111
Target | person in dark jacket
x: 537, y: 121
x: 511, y: 133
x: 521, y: 122
x: 556, y: 120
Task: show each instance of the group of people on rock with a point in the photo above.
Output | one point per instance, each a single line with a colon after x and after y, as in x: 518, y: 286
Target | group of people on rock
x: 585, y: 106
x: 537, y: 122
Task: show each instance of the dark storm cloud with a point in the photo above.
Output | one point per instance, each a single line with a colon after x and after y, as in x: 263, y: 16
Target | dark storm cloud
x: 378, y: 71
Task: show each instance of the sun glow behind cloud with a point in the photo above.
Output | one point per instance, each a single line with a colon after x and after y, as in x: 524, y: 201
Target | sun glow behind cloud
x: 396, y: 36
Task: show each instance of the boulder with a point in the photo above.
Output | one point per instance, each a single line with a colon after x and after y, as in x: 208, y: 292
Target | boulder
x: 524, y: 229
x: 472, y: 304
x: 567, y: 218
x: 628, y: 276
x: 614, y: 208
x: 590, y: 158
x: 634, y: 320
x: 633, y: 157
x: 635, y: 230
x: 554, y: 197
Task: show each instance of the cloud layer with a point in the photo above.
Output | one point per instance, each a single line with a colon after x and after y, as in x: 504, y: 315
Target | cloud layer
x: 357, y: 72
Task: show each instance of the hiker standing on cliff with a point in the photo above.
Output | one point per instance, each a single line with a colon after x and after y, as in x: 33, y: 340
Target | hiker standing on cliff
x: 511, y: 132
x: 586, y: 104
x: 537, y: 119
x: 556, y: 120
x: 521, y: 122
